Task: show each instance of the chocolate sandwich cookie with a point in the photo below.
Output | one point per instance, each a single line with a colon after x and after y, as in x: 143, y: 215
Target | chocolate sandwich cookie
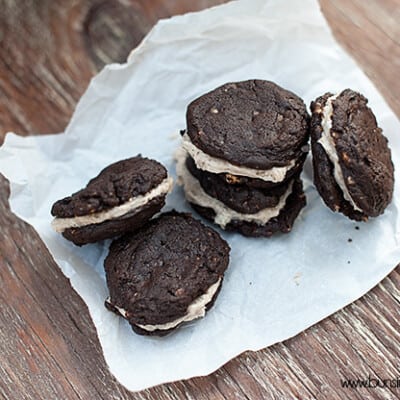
x: 264, y: 222
x: 168, y: 273
x: 253, y: 129
x: 353, y: 170
x: 120, y: 199
x: 241, y: 198
x: 282, y: 222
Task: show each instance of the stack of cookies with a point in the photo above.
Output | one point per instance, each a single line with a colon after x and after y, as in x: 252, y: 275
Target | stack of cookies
x: 242, y: 154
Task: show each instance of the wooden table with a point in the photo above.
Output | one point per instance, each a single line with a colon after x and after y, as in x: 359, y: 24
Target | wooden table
x: 49, y: 50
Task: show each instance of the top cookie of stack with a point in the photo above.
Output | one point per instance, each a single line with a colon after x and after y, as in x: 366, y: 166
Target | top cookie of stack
x: 242, y: 154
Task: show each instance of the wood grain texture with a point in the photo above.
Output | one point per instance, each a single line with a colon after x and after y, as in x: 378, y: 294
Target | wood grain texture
x: 49, y: 50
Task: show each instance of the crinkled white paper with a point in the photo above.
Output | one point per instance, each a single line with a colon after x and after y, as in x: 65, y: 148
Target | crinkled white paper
x: 274, y: 288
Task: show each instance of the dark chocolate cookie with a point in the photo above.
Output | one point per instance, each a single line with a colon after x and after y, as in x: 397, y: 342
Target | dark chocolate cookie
x: 167, y: 273
x: 241, y: 198
x: 114, y: 185
x: 115, y: 227
x: 254, y: 123
x: 282, y: 223
x: 120, y: 199
x: 361, y: 184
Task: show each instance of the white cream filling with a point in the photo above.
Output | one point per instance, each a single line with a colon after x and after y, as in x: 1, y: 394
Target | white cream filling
x: 119, y: 309
x: 196, y: 309
x: 223, y: 214
x: 61, y: 224
x: 327, y: 142
x: 216, y: 165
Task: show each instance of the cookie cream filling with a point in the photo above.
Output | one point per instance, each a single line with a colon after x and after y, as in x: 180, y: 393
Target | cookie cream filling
x: 223, y: 214
x: 61, y: 224
x: 119, y: 309
x: 327, y: 142
x: 216, y: 165
x: 196, y: 309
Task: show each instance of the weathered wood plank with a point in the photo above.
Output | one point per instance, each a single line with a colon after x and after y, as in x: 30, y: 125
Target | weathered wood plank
x: 370, y: 31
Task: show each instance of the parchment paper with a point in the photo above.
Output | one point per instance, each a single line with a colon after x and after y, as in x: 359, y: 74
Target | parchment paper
x: 274, y: 288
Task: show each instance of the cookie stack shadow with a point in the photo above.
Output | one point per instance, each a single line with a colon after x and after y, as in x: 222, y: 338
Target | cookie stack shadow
x: 241, y: 157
